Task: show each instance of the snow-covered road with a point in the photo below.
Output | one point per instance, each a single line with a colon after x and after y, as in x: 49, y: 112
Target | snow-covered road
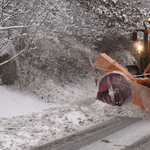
x: 123, y: 138
x: 115, y: 134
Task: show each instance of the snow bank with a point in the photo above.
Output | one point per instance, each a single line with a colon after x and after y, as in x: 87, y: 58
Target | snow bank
x: 127, y: 110
x: 14, y: 103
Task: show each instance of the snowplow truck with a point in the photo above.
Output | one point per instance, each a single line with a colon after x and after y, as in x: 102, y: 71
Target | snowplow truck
x: 119, y: 84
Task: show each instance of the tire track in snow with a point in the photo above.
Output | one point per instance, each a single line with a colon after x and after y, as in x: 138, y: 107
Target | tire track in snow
x: 133, y: 136
x: 90, y: 135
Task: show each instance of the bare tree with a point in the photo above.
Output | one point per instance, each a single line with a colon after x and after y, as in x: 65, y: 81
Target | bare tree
x: 19, y: 22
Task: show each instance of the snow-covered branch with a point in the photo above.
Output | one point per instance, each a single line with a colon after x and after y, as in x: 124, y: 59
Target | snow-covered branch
x: 13, y: 57
x: 13, y: 27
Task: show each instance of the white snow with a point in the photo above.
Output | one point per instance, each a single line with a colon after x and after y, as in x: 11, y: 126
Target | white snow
x: 26, y: 121
x: 14, y: 103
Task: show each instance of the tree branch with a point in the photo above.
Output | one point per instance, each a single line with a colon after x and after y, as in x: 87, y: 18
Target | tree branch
x: 13, y: 57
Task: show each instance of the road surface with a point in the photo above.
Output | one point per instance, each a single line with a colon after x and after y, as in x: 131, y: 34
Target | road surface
x: 116, y: 134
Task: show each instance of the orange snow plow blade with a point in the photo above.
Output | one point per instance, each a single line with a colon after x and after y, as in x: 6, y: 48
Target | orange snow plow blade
x: 107, y: 64
x: 140, y: 96
x: 118, y: 84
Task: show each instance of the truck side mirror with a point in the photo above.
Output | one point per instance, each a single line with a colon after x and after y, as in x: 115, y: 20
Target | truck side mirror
x: 134, y: 36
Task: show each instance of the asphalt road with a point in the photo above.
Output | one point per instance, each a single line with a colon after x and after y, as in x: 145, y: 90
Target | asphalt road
x: 104, y: 136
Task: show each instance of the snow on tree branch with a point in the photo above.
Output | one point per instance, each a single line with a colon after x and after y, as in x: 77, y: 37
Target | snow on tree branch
x: 13, y: 57
x: 13, y: 27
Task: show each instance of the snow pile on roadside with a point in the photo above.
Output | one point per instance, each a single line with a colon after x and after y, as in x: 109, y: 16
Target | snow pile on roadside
x: 127, y: 110
x: 14, y: 103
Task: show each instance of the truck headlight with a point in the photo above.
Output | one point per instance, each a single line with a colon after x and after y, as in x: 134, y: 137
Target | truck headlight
x: 148, y: 19
x: 139, y: 48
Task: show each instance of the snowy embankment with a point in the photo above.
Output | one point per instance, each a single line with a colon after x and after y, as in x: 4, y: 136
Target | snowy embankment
x: 23, y: 126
